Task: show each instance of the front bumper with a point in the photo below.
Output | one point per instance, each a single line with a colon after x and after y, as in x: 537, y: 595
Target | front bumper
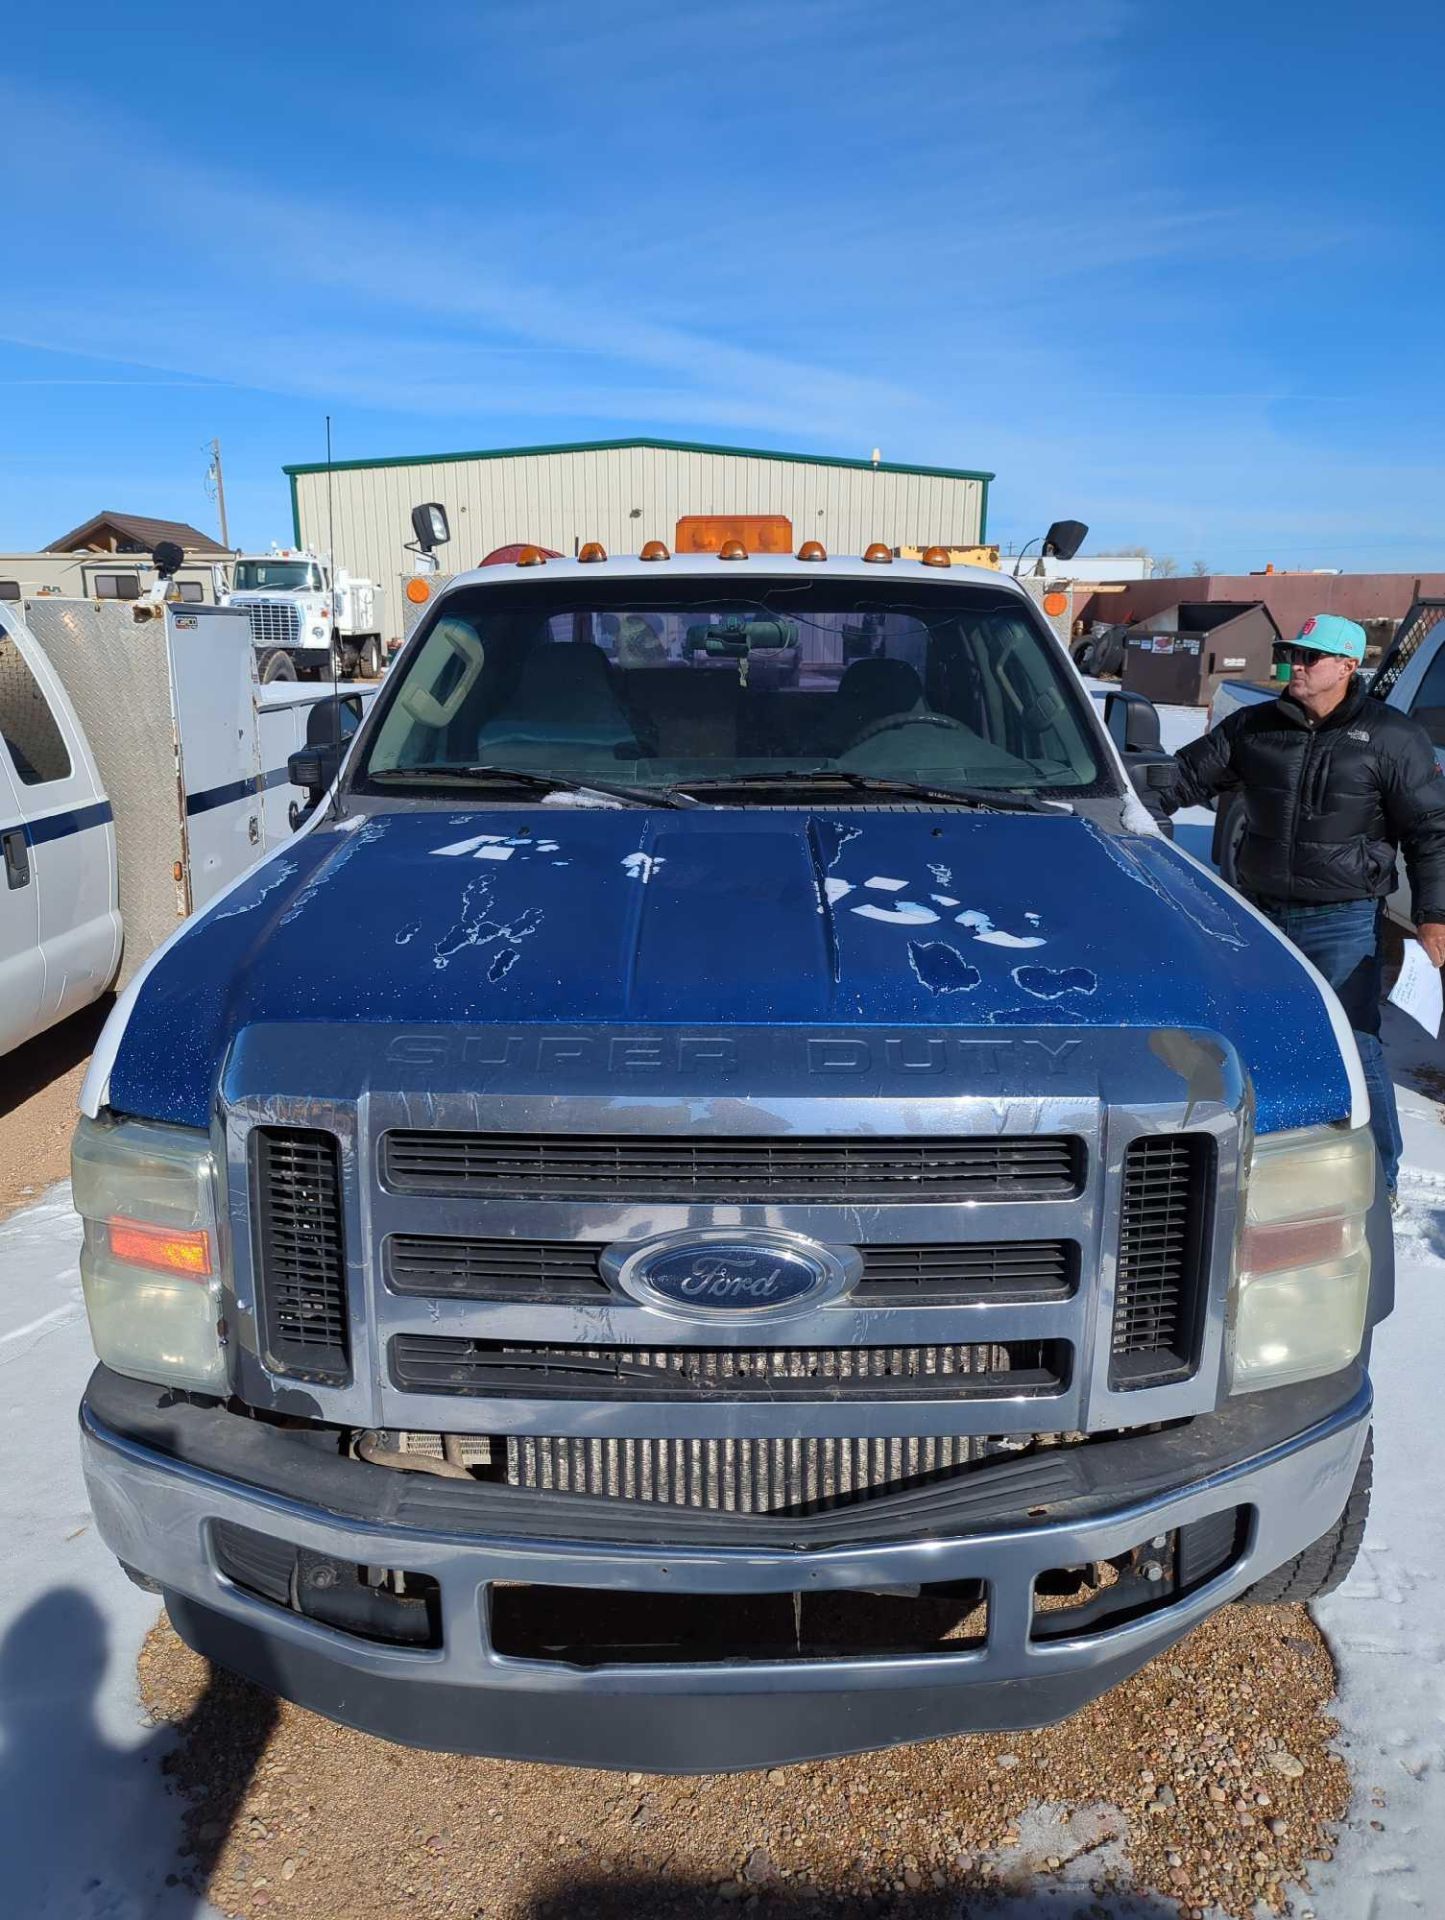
x: 158, y: 1486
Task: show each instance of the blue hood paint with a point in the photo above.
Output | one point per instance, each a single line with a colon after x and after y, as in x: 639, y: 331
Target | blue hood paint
x: 718, y: 917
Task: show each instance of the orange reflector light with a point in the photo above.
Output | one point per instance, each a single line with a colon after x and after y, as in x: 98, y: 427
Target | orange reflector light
x: 654, y: 550
x: 531, y: 557
x: 935, y: 557
x: 418, y: 592
x: 1293, y: 1243
x: 183, y: 1250
x: 593, y: 550
x: 878, y: 554
x: 812, y: 550
x: 1055, y: 604
x: 732, y: 550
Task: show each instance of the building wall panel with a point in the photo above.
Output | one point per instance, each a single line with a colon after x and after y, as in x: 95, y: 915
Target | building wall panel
x: 620, y: 496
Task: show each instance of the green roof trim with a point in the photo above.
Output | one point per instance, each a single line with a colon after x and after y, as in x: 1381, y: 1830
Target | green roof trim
x: 621, y: 446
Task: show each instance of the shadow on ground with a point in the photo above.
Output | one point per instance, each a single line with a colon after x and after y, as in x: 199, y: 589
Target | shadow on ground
x: 636, y: 1898
x: 90, y: 1829
x: 31, y: 1068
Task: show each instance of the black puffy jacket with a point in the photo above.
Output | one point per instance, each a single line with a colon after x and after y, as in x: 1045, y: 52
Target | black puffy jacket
x: 1326, y: 805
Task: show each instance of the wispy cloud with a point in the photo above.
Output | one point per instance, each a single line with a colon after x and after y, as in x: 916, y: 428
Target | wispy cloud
x: 977, y: 242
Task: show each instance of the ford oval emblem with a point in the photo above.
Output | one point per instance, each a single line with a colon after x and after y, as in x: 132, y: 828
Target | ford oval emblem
x: 724, y: 1273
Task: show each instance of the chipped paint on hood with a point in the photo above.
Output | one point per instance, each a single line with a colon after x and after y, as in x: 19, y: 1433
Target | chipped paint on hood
x: 725, y: 916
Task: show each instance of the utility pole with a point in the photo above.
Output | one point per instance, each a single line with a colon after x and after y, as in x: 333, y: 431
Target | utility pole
x: 219, y: 479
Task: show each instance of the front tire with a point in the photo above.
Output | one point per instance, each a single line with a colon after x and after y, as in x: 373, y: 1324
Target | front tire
x: 275, y: 665
x: 1322, y: 1567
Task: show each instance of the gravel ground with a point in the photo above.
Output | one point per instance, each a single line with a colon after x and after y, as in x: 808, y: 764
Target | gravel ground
x: 1207, y: 1781
x: 39, y: 1086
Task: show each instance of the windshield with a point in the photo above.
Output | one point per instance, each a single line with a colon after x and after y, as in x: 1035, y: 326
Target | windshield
x: 255, y: 575
x: 658, y: 684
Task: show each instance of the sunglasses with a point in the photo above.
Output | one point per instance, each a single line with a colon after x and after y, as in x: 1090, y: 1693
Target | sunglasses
x: 1301, y: 656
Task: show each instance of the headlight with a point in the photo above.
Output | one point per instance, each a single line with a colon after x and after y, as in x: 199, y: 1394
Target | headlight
x: 1303, y: 1272
x: 150, y: 1265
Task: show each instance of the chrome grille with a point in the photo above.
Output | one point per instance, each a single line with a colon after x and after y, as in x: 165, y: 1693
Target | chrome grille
x: 434, y: 1363
x: 941, y: 1273
x: 274, y: 623
x: 735, y: 1169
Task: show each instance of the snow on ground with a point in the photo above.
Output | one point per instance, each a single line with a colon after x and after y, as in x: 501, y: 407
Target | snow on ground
x: 88, y: 1830
x: 1385, y: 1626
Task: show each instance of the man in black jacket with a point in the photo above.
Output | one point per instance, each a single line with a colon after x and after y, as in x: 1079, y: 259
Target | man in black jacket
x: 1332, y: 784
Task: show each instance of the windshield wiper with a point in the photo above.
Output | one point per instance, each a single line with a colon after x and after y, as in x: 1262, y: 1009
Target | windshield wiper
x: 984, y: 799
x: 446, y: 775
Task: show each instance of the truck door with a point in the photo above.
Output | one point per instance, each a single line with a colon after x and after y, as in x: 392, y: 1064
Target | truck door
x: 22, y: 969
x: 69, y: 843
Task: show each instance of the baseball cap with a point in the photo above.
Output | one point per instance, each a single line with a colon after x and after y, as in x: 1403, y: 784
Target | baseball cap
x: 1332, y: 633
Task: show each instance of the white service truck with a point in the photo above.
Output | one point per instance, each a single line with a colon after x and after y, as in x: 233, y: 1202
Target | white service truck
x: 143, y: 770
x: 307, y: 618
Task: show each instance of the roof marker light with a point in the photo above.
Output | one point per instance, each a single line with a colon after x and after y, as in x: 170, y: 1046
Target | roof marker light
x: 654, y: 550
x: 878, y: 555
x: 592, y: 550
x: 812, y: 550
x: 935, y: 557
x: 417, y: 591
x: 531, y: 557
x: 732, y: 550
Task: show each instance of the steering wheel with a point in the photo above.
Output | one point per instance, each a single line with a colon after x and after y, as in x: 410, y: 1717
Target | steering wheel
x: 890, y: 723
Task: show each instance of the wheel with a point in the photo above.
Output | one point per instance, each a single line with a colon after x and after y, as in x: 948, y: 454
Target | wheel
x: 371, y: 658
x: 274, y: 665
x: 1321, y: 1568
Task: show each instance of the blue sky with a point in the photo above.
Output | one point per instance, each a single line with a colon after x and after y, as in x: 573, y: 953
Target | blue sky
x: 1177, y: 271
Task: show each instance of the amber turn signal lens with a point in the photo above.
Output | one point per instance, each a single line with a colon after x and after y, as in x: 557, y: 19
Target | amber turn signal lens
x: 592, y: 550
x: 812, y: 550
x: 418, y: 592
x: 878, y: 554
x: 935, y: 557
x: 1055, y: 604
x: 654, y: 550
x: 732, y: 550
x: 183, y: 1250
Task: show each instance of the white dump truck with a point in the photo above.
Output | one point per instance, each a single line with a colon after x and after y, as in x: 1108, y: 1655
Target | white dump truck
x: 308, y: 619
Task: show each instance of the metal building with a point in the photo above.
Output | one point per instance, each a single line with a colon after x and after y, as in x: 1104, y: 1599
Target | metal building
x: 622, y: 492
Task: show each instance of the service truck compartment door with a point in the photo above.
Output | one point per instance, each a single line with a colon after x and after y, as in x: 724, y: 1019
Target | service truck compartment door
x: 212, y: 687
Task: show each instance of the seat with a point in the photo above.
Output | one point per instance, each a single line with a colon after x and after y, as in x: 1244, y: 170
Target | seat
x: 871, y: 690
x: 564, y: 697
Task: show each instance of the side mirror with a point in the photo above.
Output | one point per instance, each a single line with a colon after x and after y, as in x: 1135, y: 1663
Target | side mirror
x: 315, y: 768
x: 430, y: 525
x: 1063, y: 539
x: 1132, y: 721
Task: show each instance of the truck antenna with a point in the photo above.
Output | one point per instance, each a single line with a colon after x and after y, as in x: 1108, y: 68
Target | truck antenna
x: 331, y: 576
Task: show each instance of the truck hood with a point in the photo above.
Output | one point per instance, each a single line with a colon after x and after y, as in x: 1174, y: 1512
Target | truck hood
x: 628, y: 918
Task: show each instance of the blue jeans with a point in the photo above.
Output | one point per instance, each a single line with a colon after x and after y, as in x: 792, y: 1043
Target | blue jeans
x: 1343, y: 941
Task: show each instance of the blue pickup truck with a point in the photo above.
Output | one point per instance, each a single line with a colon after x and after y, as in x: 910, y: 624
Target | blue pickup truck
x: 693, y: 1219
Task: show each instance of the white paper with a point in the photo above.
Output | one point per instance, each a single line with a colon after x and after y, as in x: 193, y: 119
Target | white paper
x: 1417, y: 991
